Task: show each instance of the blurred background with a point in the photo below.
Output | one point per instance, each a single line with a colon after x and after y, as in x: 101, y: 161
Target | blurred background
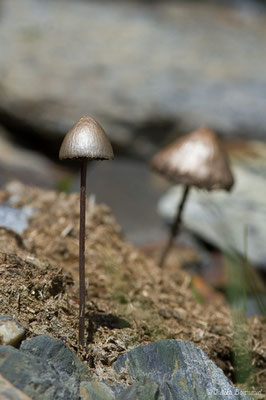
x: 148, y: 72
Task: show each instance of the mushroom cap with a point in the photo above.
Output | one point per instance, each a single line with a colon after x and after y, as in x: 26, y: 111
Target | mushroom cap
x: 86, y: 140
x: 195, y: 159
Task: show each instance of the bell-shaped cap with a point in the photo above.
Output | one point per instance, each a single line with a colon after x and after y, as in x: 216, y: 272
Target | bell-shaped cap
x: 86, y: 140
x: 195, y: 159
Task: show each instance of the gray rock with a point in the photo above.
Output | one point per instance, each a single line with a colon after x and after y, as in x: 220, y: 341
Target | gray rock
x: 223, y: 219
x: 95, y: 391
x: 15, y: 218
x: 36, y: 377
x: 60, y: 60
x: 118, y: 184
x: 28, y: 166
x: 254, y: 304
x: 10, y: 392
x: 56, y: 353
x: 180, y: 369
x: 147, y: 390
x: 11, y: 331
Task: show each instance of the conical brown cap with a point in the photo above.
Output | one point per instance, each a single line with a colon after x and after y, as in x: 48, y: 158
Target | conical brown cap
x: 86, y: 140
x: 195, y: 159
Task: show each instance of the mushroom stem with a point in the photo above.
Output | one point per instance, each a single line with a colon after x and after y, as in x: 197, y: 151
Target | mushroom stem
x: 175, y: 227
x: 82, y: 252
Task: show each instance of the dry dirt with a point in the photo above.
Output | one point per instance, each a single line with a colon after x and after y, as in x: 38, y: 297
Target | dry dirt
x: 130, y: 300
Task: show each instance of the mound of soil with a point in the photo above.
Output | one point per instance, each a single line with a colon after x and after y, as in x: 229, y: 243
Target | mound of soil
x: 130, y: 300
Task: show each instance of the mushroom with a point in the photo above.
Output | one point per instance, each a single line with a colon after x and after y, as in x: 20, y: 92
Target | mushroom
x: 85, y: 141
x: 197, y: 159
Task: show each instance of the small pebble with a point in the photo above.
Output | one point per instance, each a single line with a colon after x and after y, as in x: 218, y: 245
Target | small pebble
x: 11, y: 331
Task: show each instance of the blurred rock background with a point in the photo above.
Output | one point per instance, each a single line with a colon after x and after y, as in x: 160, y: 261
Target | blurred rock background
x: 148, y: 71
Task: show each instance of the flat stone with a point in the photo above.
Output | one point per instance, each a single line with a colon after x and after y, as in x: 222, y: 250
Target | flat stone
x: 36, y: 377
x: 55, y: 353
x: 180, y: 369
x: 11, y: 331
x: 10, y: 392
x: 225, y: 219
x: 60, y: 61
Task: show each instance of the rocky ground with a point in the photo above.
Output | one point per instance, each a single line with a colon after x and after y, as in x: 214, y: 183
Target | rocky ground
x: 130, y: 300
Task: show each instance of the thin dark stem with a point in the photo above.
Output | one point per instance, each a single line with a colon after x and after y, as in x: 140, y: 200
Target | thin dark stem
x: 82, y: 252
x: 174, y: 228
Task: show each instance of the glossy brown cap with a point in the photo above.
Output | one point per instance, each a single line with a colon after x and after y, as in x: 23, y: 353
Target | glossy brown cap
x: 195, y: 159
x: 86, y: 140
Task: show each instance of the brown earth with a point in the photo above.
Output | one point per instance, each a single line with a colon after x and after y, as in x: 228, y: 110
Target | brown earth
x: 130, y: 300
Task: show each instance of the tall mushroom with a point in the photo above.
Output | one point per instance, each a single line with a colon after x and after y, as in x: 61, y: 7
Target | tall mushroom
x: 197, y: 159
x: 85, y: 141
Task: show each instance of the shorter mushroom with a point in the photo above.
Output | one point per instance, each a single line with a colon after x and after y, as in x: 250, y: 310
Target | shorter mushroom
x: 197, y: 159
x: 85, y: 141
